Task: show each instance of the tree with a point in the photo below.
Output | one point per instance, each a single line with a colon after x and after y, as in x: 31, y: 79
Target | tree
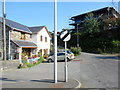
x: 90, y: 24
x: 118, y: 22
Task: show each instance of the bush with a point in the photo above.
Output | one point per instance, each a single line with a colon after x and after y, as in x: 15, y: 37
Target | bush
x: 25, y: 64
x: 76, y: 50
x: 41, y: 58
x: 19, y: 66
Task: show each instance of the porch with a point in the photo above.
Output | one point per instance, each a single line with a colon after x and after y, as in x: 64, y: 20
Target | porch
x: 21, y: 48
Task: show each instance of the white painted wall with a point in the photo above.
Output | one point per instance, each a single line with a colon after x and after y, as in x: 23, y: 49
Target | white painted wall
x: 41, y: 45
x: 34, y: 38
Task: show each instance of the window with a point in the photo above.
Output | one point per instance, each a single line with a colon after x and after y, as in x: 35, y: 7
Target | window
x: 30, y: 36
x: 60, y: 54
x: 22, y: 36
x: 45, y: 39
x: 41, y: 38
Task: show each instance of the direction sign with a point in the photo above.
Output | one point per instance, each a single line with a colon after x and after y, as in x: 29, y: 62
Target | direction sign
x: 65, y: 36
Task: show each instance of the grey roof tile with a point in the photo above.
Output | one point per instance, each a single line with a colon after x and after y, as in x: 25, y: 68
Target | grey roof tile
x: 23, y: 43
x: 36, y: 29
x: 16, y: 25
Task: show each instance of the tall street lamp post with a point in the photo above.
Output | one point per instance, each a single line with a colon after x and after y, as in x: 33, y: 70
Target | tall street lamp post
x: 55, y: 41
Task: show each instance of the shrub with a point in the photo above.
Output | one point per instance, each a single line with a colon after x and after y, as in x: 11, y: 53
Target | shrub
x: 76, y: 50
x: 41, y: 58
x: 19, y: 66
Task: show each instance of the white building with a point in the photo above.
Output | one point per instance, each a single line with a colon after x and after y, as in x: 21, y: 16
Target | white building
x: 41, y: 37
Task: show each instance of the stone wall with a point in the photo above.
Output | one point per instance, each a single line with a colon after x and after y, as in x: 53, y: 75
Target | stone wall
x: 16, y: 35
x: 27, y: 37
x: 7, y: 42
x: 13, y: 51
x: 1, y: 42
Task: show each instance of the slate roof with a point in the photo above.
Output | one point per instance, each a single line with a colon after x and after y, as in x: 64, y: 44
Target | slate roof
x: 16, y: 26
x: 22, y: 43
x: 105, y: 9
x: 23, y: 28
x: 36, y: 29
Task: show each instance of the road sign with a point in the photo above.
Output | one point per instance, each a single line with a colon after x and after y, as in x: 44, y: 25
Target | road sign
x: 65, y: 36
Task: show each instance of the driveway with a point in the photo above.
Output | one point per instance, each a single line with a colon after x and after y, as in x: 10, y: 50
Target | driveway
x: 92, y: 70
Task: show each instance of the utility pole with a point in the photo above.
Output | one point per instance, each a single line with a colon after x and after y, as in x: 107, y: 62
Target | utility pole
x: 4, y: 30
x: 77, y: 37
x: 55, y: 41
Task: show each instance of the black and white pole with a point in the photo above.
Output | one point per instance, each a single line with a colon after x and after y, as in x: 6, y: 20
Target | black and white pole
x: 65, y: 36
x: 55, y: 41
x: 66, y: 66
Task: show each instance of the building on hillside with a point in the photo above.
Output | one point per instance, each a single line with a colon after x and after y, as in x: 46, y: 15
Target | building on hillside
x: 41, y: 37
x: 107, y: 13
x: 20, y: 40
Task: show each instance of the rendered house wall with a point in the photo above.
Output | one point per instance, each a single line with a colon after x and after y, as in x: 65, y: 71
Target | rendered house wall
x: 42, y: 45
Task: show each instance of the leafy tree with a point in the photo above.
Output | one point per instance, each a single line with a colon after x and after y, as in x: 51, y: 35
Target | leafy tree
x: 91, y: 24
x: 118, y: 22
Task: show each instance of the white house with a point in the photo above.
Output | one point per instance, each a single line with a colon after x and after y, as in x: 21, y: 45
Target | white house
x: 41, y: 37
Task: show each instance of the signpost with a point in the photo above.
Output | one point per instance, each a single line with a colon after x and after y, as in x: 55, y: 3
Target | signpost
x: 65, y: 36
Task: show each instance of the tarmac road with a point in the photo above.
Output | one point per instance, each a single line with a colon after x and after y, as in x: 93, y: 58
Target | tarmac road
x: 92, y: 70
x: 96, y: 71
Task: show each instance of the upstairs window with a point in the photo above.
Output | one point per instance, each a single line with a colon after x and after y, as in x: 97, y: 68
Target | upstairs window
x: 22, y: 36
x: 30, y: 36
x: 41, y: 38
x: 45, y: 39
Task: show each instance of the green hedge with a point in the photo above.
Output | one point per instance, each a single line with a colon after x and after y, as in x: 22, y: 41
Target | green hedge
x: 101, y: 46
x: 76, y: 50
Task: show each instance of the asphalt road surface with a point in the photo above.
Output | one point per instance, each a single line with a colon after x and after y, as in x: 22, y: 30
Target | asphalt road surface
x: 92, y: 70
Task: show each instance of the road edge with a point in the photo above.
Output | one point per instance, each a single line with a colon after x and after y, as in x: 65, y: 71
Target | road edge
x: 79, y: 84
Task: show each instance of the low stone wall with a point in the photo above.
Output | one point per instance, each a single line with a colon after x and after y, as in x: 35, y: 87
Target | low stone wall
x: 10, y: 64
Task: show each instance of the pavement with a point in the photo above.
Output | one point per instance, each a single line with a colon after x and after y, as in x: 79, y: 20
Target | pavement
x: 44, y: 83
x: 92, y: 70
x: 39, y: 76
